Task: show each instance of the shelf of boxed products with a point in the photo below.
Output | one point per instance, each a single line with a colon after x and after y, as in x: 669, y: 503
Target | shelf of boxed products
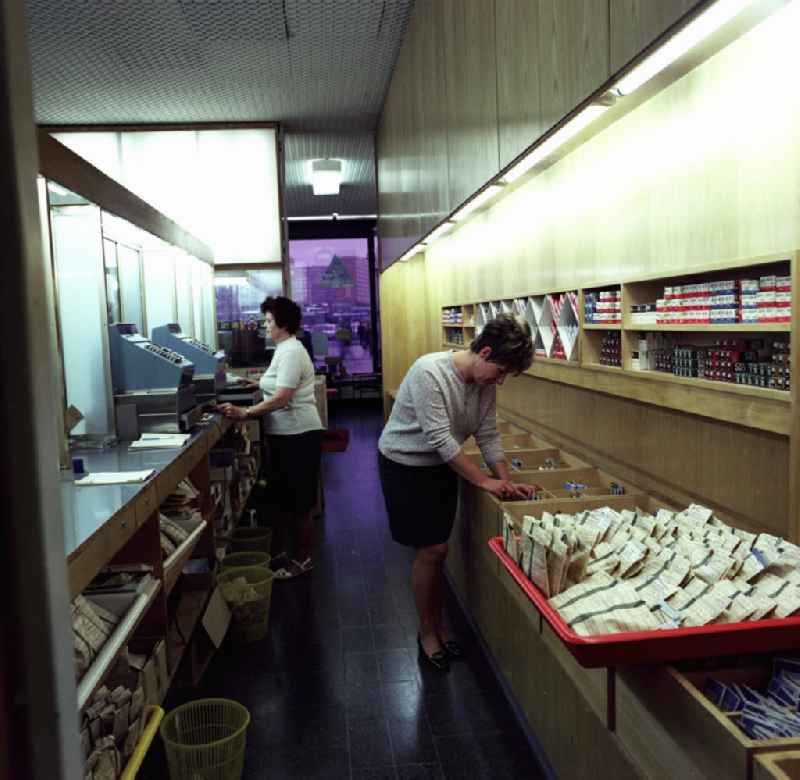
x: 602, y: 308
x: 742, y: 363
x: 740, y: 327
x: 103, y: 624
x: 119, y: 722
x: 749, y: 294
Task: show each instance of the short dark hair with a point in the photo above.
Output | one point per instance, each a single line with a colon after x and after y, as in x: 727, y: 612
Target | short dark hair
x: 286, y: 312
x: 509, y: 337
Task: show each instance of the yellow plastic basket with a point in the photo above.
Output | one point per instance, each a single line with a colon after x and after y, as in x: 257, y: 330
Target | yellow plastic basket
x: 243, y: 559
x: 248, y: 601
x: 251, y: 539
x: 155, y: 714
x: 205, y: 740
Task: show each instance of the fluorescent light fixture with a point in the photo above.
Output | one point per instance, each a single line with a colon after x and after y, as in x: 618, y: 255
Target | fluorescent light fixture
x: 57, y: 188
x: 330, y: 217
x: 415, y: 250
x: 698, y: 29
x: 229, y: 281
x: 326, y: 176
x: 555, y: 141
x: 445, y: 227
x: 479, y: 200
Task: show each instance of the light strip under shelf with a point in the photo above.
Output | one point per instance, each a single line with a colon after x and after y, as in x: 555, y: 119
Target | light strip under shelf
x: 479, y: 200
x: 445, y: 227
x: 415, y: 250
x: 555, y: 141
x: 696, y: 31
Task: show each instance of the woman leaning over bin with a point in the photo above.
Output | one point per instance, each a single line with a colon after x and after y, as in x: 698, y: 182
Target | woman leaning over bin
x: 445, y: 398
x: 294, y: 435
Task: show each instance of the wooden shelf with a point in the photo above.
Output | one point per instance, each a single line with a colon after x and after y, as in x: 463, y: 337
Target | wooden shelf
x: 601, y: 367
x: 556, y: 362
x: 733, y: 327
x: 783, y: 396
x: 175, y: 563
x: 615, y: 326
x: 753, y: 407
x: 451, y: 344
x: 122, y: 633
x: 191, y: 608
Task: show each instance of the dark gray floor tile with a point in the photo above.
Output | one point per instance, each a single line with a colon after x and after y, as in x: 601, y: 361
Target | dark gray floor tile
x: 392, y: 636
x: 458, y: 751
x: 357, y: 639
x: 420, y: 772
x: 361, y: 669
x: 412, y: 741
x: 447, y: 714
x: 397, y: 666
x: 374, y: 773
x: 403, y: 700
x: 369, y: 743
x: 364, y: 702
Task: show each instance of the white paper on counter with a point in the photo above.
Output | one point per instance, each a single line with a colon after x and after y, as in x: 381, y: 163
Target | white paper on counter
x: 114, y: 477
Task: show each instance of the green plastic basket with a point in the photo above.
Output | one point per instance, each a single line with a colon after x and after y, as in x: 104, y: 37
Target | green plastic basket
x: 245, y: 559
x: 248, y: 593
x: 251, y: 540
x: 205, y: 740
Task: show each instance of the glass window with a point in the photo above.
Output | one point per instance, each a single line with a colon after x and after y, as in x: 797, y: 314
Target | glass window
x: 330, y: 281
x: 240, y: 324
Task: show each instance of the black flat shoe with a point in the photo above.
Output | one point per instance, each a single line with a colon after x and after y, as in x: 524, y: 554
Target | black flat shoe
x: 439, y: 660
x: 453, y: 648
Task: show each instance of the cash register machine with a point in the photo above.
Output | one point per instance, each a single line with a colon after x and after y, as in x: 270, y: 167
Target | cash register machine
x: 212, y: 382
x: 209, y: 366
x: 153, y: 387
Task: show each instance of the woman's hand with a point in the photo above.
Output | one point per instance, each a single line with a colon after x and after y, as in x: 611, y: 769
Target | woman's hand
x: 499, y: 488
x: 234, y: 412
x: 506, y: 490
x: 523, y: 492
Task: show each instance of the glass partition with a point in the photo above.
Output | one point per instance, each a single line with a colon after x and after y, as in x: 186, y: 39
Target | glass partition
x: 83, y: 313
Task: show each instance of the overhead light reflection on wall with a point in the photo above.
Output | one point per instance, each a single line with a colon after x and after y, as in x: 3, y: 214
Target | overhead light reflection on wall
x: 696, y: 31
x: 555, y: 141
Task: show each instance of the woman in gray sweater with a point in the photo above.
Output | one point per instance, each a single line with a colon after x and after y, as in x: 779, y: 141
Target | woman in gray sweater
x: 445, y: 398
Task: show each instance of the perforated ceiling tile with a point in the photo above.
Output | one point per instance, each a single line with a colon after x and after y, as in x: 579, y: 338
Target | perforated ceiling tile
x: 320, y: 67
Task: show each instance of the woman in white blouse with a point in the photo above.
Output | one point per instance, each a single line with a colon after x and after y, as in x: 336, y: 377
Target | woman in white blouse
x: 293, y: 432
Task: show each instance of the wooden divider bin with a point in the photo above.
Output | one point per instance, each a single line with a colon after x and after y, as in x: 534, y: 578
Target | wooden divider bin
x: 512, y: 442
x: 503, y: 426
x: 777, y: 766
x: 665, y: 719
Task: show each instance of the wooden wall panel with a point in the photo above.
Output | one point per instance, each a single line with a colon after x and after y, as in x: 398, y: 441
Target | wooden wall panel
x: 471, y: 83
x: 424, y: 38
x: 740, y: 472
x: 405, y: 326
x: 666, y: 187
x: 636, y: 23
x: 573, y: 40
x: 519, y: 109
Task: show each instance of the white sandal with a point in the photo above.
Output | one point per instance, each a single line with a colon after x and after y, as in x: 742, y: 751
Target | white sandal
x: 295, y: 569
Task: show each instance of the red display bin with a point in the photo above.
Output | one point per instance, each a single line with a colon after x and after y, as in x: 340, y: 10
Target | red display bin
x: 657, y: 647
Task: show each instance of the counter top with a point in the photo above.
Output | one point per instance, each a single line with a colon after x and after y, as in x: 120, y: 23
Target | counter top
x: 89, y: 510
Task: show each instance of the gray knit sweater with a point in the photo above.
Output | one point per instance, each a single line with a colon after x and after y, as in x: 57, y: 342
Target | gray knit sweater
x: 436, y: 411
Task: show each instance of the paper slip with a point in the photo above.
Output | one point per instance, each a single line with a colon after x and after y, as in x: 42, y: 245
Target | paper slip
x: 155, y: 440
x: 114, y: 477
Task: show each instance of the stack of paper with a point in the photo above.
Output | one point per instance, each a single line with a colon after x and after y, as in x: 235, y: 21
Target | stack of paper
x: 149, y: 441
x: 114, y: 477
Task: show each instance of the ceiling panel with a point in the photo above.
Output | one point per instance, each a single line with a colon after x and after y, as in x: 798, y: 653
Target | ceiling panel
x: 320, y: 67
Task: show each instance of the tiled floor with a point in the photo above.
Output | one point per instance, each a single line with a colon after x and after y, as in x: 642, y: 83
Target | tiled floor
x: 337, y: 690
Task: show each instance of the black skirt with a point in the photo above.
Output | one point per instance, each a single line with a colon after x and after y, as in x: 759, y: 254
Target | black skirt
x: 421, y: 501
x: 293, y: 470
